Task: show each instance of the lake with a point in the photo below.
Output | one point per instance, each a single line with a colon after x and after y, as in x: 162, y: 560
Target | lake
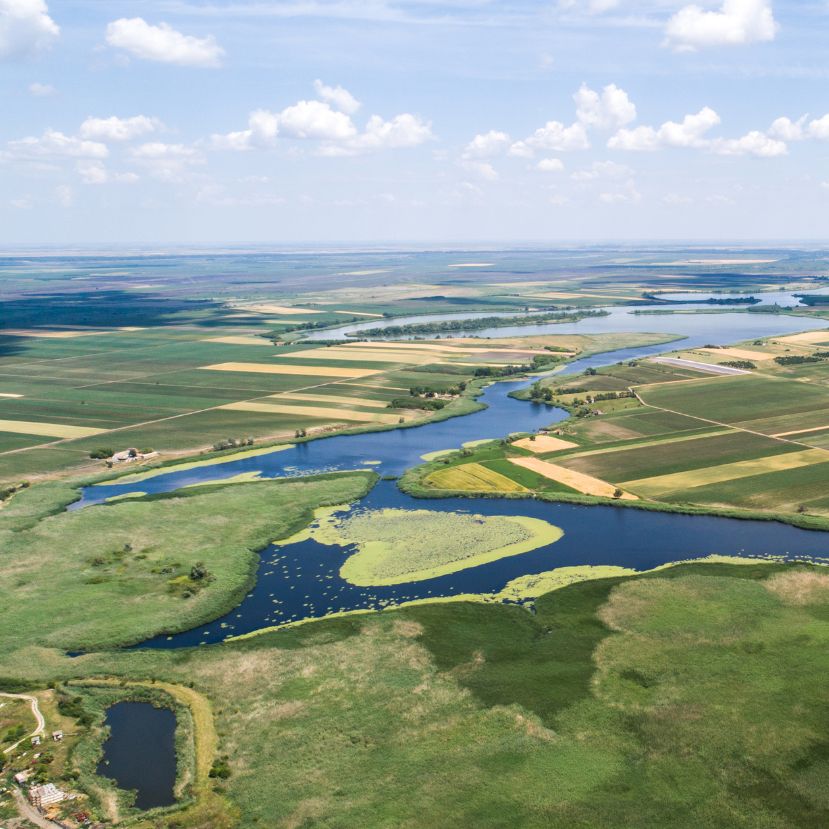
x: 140, y: 752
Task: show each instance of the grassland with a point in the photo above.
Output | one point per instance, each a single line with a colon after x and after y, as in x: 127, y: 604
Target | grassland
x: 120, y: 572
x: 674, y: 699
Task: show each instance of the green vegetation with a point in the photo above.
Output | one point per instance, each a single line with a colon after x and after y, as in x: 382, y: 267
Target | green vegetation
x: 667, y: 699
x: 120, y: 572
x: 479, y: 323
x: 395, y: 546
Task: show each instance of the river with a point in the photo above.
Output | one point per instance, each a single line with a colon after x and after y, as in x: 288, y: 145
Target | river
x: 301, y: 580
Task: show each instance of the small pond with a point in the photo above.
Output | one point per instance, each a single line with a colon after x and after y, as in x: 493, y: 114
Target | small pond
x: 140, y: 752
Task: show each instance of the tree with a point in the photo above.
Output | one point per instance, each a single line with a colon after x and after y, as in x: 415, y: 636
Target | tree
x: 617, y: 493
x: 198, y: 571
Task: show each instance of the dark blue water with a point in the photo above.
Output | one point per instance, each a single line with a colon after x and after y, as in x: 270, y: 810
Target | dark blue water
x: 140, y: 752
x: 301, y: 580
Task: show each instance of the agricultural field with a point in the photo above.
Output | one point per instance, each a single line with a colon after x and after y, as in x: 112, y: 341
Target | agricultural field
x: 177, y: 389
x: 541, y: 690
x: 754, y: 440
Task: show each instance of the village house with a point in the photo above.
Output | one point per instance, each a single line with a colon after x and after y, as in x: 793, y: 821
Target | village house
x: 132, y: 454
x: 46, y: 795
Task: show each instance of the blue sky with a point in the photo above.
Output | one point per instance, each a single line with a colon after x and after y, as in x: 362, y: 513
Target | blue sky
x: 371, y: 120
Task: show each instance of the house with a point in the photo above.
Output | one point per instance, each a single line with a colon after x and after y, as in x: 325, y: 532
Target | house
x: 46, y: 795
x: 21, y: 777
x: 132, y: 454
x: 57, y: 736
x: 36, y: 740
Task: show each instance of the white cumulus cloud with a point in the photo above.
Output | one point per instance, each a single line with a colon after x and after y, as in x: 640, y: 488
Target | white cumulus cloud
x: 118, y: 129
x: 550, y: 165
x: 610, y: 109
x: 338, y: 97
x: 93, y: 172
x: 556, y: 137
x: 690, y: 132
x: 315, y: 120
x: 736, y: 22
x: 752, y: 143
x: 335, y: 131
x: 55, y: 144
x: 163, y: 43
x: 487, y: 145
x: 25, y: 28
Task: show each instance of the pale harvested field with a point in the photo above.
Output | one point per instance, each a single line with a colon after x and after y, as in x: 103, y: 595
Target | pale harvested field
x: 676, y: 481
x: 323, y: 412
x: 361, y: 356
x: 586, y: 484
x: 241, y: 339
x: 332, y: 398
x: 9, y: 394
x: 51, y: 430
x: 359, y: 314
x: 807, y: 338
x: 268, y: 308
x: 544, y: 443
x: 310, y: 371
x: 738, y: 354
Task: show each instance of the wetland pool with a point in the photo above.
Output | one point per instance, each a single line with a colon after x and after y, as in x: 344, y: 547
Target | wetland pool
x: 140, y: 752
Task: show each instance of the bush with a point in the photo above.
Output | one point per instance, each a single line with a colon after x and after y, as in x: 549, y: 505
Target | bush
x: 101, y: 454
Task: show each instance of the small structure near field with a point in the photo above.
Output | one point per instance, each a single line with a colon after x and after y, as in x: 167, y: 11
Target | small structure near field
x: 57, y: 736
x: 46, y: 795
x: 132, y: 454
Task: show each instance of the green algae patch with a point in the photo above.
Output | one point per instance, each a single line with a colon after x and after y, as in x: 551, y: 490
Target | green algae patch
x: 439, y: 453
x: 125, y: 496
x: 181, y: 467
x: 529, y: 587
x: 241, y: 478
x: 396, y: 546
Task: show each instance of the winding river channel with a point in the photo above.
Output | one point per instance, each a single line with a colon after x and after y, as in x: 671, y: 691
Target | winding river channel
x: 301, y: 580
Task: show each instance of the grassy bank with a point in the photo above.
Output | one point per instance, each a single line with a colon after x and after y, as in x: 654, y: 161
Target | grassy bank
x: 118, y: 573
x: 683, y: 698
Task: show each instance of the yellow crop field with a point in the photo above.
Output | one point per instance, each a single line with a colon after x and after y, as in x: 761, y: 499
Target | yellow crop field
x: 472, y: 477
x: 276, y: 368
x: 407, y: 346
x: 359, y: 314
x: 242, y: 339
x: 361, y: 356
x: 333, y: 398
x: 288, y: 310
x: 586, y: 484
x: 313, y: 411
x: 806, y: 338
x: 661, y: 484
x: 544, y: 443
x: 51, y: 430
